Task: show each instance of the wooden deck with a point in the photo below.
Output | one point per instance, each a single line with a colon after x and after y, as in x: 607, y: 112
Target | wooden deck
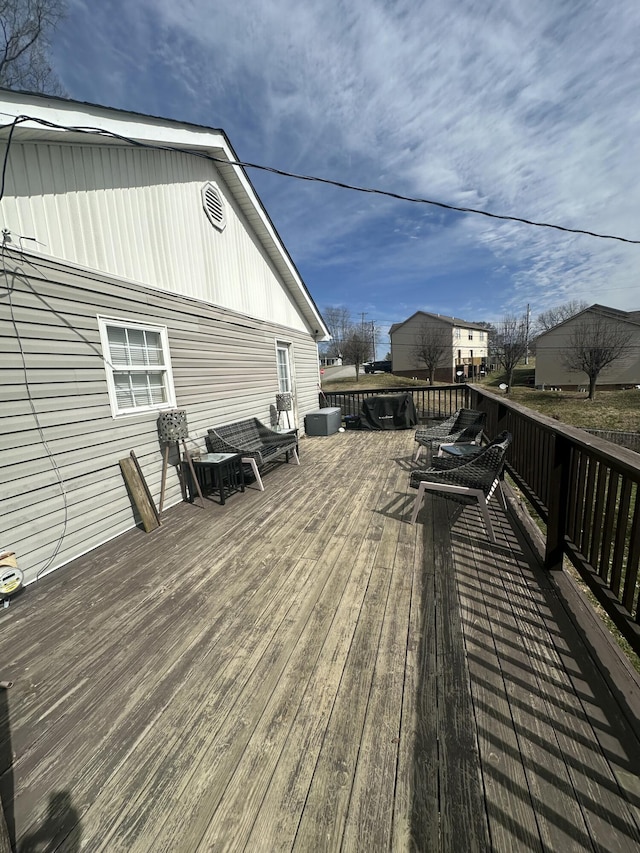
x: 303, y: 670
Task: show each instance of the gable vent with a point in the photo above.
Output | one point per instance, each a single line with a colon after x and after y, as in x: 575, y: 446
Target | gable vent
x: 214, y: 206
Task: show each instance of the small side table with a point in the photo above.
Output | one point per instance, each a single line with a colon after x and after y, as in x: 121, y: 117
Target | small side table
x: 460, y: 451
x: 219, y: 472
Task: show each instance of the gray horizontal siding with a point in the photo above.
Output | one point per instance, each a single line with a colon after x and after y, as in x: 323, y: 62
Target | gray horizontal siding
x: 224, y: 368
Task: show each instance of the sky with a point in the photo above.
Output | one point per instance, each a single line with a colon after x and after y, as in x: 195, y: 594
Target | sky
x: 519, y: 108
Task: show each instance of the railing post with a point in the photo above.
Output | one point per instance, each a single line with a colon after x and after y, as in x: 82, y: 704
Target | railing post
x: 467, y: 396
x: 558, y: 502
x: 502, y: 418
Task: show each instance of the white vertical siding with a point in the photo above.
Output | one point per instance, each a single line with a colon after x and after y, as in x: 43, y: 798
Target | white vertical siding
x: 224, y: 368
x: 138, y: 214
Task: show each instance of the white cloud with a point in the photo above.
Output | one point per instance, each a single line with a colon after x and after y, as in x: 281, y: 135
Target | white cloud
x: 526, y: 109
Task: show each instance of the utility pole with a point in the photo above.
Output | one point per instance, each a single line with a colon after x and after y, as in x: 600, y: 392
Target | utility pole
x: 526, y: 332
x: 363, y: 328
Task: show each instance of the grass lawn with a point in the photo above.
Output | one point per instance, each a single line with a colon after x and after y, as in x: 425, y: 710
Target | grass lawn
x: 614, y: 410
x: 370, y: 382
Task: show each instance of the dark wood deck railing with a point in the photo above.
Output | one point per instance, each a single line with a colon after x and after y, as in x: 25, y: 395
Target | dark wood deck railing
x: 584, y: 489
x: 438, y: 401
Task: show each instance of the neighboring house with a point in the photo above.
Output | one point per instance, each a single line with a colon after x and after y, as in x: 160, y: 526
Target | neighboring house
x: 465, y: 353
x: 550, y: 370
x: 136, y: 276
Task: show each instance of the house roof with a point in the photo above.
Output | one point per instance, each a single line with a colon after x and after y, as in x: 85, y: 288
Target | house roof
x: 604, y: 311
x: 451, y: 321
x: 45, y: 118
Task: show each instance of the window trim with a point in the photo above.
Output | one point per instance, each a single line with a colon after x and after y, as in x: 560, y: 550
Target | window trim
x: 284, y: 346
x: 104, y: 324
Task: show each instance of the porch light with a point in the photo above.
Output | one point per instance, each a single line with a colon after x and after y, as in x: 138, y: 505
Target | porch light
x: 172, y: 425
x: 283, y: 402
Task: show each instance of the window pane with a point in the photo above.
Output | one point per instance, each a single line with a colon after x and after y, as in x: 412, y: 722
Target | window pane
x: 124, y: 394
x: 148, y: 389
x: 118, y: 346
x: 157, y: 388
x: 137, y: 348
x: 284, y: 379
x: 154, y: 348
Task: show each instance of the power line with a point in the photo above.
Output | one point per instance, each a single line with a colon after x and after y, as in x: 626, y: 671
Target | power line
x: 418, y: 200
x: 310, y: 178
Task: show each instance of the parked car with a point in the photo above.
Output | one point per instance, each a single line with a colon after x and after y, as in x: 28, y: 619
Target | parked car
x: 377, y: 367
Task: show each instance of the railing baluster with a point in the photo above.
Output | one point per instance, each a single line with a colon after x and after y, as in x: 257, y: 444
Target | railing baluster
x: 604, y: 568
x: 598, y: 515
x: 622, y: 520
x: 558, y: 498
x: 630, y: 594
x: 587, y: 514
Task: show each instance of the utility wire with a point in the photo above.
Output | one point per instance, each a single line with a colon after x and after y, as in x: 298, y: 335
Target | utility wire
x: 310, y: 178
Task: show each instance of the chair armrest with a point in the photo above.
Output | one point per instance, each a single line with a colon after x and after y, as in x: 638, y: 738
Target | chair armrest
x: 431, y: 475
x: 216, y: 444
x: 446, y: 463
x: 271, y: 437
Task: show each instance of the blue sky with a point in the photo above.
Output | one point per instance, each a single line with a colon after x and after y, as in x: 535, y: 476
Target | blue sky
x: 519, y: 108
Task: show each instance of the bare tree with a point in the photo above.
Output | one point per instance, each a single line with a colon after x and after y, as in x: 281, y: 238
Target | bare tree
x: 491, y: 333
x: 338, y: 320
x: 510, y: 344
x: 595, y: 343
x: 356, y: 347
x: 550, y: 318
x: 25, y: 28
x: 432, y: 341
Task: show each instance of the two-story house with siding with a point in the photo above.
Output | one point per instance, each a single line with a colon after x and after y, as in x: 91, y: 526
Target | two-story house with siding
x: 140, y: 272
x: 463, y: 347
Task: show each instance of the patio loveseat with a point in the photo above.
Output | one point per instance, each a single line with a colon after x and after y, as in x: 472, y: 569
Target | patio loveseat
x: 256, y: 443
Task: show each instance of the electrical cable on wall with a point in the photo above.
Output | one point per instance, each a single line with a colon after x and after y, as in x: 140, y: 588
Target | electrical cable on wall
x: 48, y: 451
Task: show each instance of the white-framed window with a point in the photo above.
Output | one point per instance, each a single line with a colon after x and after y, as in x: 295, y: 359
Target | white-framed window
x: 456, y: 334
x: 284, y: 367
x: 138, y: 366
x: 470, y: 335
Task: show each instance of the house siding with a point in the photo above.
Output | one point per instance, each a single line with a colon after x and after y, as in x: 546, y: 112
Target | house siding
x: 403, y: 341
x: 550, y: 370
x: 224, y: 368
x: 138, y: 214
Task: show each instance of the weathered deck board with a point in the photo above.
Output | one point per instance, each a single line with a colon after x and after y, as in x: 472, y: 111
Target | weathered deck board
x: 303, y: 670
x: 462, y: 810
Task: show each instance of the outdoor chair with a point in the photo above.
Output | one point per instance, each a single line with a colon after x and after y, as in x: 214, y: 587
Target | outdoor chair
x: 464, y: 426
x: 467, y: 482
